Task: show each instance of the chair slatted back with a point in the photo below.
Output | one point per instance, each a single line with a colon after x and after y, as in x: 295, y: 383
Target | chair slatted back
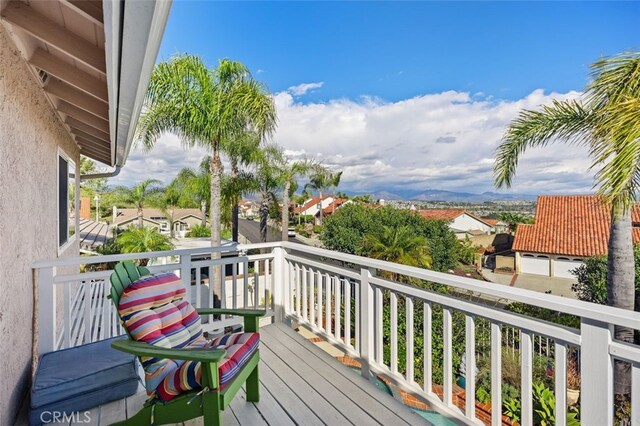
x: 123, y: 275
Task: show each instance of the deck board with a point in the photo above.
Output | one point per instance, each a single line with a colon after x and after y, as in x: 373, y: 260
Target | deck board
x: 299, y: 385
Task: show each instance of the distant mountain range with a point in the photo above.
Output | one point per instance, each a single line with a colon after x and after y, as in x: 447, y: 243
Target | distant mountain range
x: 441, y: 195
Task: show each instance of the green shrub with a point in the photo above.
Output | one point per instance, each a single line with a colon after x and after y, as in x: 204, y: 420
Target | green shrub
x: 199, y: 231
x: 544, y: 406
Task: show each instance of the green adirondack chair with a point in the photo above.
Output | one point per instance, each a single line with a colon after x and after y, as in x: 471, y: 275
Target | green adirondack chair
x: 208, y: 402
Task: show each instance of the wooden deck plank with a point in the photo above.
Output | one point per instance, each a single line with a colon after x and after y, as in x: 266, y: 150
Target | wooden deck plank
x: 287, y: 398
x: 246, y: 412
x: 112, y: 412
x: 305, y: 392
x: 327, y: 388
x: 270, y: 408
x: 326, y: 363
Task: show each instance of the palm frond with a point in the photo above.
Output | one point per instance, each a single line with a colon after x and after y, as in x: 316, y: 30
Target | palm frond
x: 567, y: 121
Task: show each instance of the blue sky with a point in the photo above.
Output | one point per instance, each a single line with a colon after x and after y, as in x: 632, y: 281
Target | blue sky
x: 409, y: 96
x: 399, y: 50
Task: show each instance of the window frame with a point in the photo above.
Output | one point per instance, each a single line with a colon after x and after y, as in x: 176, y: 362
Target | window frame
x: 71, y: 169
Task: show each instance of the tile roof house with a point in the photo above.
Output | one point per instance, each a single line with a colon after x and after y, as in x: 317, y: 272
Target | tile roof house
x: 567, y: 229
x: 183, y: 219
x: 461, y: 222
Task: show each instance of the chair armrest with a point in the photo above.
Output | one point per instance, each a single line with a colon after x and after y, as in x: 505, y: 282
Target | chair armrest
x: 187, y: 354
x: 238, y: 312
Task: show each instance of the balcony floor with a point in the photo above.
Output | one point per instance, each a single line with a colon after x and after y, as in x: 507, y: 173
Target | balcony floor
x: 301, y: 384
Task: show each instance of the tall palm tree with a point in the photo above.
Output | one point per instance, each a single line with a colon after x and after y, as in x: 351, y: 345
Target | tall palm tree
x: 289, y: 173
x: 398, y: 245
x: 143, y: 240
x: 139, y: 196
x: 320, y: 181
x: 241, y: 150
x: 204, y: 107
x: 607, y: 121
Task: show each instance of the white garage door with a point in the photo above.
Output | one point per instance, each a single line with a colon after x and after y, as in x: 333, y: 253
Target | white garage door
x: 563, y: 265
x: 536, y: 265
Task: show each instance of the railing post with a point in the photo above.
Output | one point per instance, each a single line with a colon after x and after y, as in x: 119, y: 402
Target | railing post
x: 46, y: 310
x: 185, y: 274
x: 280, y: 284
x: 596, y: 366
x: 366, y: 322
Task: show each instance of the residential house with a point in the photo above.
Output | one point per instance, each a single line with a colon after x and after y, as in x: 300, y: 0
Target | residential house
x: 567, y: 230
x: 72, y: 81
x: 313, y: 205
x: 498, y: 225
x: 183, y: 219
x: 463, y: 223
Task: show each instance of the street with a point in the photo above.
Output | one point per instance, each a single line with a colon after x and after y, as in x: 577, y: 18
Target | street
x: 251, y: 230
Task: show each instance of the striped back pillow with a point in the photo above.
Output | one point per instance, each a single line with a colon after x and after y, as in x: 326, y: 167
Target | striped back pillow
x: 154, y: 312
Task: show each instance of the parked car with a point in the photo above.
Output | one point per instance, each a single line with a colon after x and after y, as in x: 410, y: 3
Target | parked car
x: 291, y: 232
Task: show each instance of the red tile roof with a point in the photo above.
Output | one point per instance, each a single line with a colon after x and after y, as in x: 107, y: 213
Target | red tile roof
x: 576, y: 225
x: 338, y: 202
x: 449, y: 214
x: 440, y: 214
x: 312, y: 202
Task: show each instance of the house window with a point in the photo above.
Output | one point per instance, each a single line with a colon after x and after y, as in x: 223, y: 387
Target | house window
x: 66, y: 199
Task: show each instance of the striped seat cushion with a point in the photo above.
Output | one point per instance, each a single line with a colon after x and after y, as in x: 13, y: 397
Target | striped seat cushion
x: 186, y: 375
x: 153, y: 311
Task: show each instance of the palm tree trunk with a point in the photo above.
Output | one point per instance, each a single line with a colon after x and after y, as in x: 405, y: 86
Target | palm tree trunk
x: 203, y: 212
x: 621, y: 287
x: 172, y: 232
x: 285, y: 211
x: 264, y: 216
x: 235, y: 211
x: 320, y: 214
x: 140, y: 218
x: 216, y: 185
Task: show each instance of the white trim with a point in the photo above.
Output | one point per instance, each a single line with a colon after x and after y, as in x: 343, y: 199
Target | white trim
x: 70, y: 164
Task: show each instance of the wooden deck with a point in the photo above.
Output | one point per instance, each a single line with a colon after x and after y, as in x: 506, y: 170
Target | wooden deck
x: 93, y: 234
x: 301, y: 385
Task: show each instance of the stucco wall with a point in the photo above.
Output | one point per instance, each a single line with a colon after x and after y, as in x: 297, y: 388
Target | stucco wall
x: 30, y: 134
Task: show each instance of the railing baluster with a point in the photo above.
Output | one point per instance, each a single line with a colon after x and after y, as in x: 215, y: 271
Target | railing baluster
x: 428, y: 349
x: 347, y: 312
x: 409, y: 341
x: 337, y: 308
x: 312, y: 300
x: 561, y: 384
x: 496, y: 374
x: 298, y: 289
x: 66, y: 338
x: 305, y: 305
x: 526, y: 376
x: 358, y: 293
x: 366, y: 323
x: 394, y: 332
x: 470, y: 367
x: 379, y: 322
x: 256, y: 285
x: 234, y: 285
x: 447, y: 355
x: 320, y: 298
x: 327, y: 304
x: 596, y: 378
x: 245, y: 288
x: 86, y: 300
x: 198, y: 287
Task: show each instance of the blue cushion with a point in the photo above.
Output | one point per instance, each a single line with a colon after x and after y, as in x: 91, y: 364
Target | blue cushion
x: 80, y: 378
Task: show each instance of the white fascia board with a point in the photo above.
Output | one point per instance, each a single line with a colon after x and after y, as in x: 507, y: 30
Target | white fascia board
x: 133, y: 31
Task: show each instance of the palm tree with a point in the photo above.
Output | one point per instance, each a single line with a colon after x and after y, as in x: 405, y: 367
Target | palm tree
x: 138, y: 195
x: 289, y: 173
x: 607, y: 121
x: 204, y: 107
x: 241, y: 150
x: 143, y: 240
x: 320, y: 181
x: 398, y: 245
x: 267, y: 181
x: 198, y: 186
x: 513, y: 219
x: 334, y: 180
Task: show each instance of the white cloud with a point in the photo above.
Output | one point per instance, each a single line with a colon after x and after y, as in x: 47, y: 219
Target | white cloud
x: 304, y: 88
x: 443, y: 141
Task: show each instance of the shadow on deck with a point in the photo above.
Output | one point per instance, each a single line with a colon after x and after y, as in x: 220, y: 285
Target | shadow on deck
x: 300, y: 385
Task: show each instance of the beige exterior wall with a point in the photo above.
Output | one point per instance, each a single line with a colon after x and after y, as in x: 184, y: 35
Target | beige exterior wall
x: 30, y: 135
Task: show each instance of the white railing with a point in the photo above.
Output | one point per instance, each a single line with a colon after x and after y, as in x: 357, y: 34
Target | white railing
x: 365, y: 307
